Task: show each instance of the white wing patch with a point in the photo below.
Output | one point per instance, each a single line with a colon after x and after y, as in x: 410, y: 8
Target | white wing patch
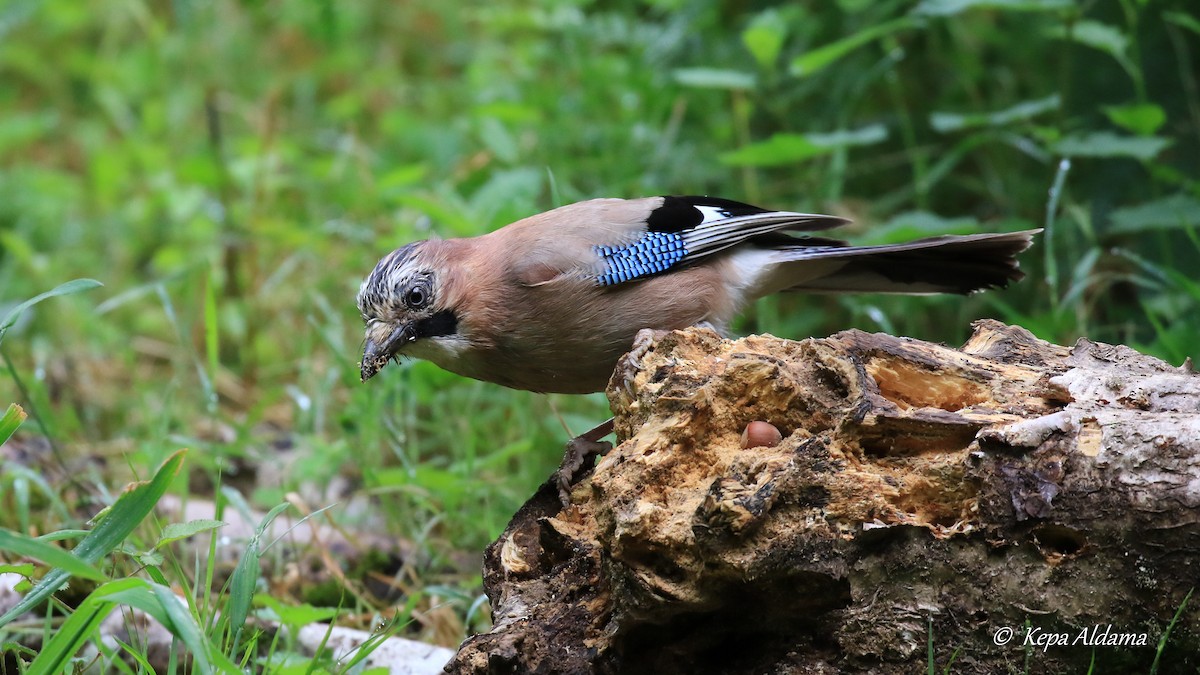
x: 711, y: 213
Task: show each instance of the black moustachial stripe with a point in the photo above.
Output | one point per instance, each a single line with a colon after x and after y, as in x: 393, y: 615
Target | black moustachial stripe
x: 439, y: 324
x: 680, y: 213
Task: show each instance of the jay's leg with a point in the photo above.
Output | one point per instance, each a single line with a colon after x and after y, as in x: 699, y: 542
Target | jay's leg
x: 582, y: 450
x: 580, y: 456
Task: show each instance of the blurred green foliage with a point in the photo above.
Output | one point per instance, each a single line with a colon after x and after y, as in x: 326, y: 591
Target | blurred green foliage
x: 230, y: 170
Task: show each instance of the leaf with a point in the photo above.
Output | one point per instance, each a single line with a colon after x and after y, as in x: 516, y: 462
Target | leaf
x: 69, y: 637
x: 784, y: 148
x: 1107, y: 144
x: 951, y: 7
x: 1184, y: 20
x: 810, y: 62
x: 918, y: 224
x: 24, y: 569
x: 499, y: 140
x: 176, y: 531
x: 296, y: 615
x: 63, y: 535
x: 1161, y: 275
x: 944, y: 122
x: 155, y: 600
x: 1101, y: 36
x: 148, y: 558
x: 1142, y: 119
x: 48, y: 553
x: 714, y: 78
x: 764, y: 37
x: 507, y: 192
x: 1096, y: 35
x: 245, y: 577
x: 16, y: 13
x: 73, y: 286
x: 13, y: 417
x: 212, y: 331
x: 777, y: 150
x: 868, y: 135
x: 1166, y: 635
x: 1176, y: 211
x: 123, y: 516
x: 183, y: 625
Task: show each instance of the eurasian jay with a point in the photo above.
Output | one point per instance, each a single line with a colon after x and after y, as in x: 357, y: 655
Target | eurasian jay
x: 550, y: 303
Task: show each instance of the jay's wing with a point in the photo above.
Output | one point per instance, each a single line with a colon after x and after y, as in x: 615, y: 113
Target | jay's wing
x: 682, y: 230
x: 611, y: 242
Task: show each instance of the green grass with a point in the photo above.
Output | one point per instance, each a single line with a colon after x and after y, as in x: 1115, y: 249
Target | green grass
x: 231, y: 170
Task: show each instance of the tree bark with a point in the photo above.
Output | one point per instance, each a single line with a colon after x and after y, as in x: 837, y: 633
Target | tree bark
x: 1013, y: 505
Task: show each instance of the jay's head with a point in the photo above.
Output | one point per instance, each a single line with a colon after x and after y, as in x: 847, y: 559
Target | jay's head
x: 404, y: 307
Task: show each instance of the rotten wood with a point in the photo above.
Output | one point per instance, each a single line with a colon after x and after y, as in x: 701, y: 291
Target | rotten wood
x: 918, y: 492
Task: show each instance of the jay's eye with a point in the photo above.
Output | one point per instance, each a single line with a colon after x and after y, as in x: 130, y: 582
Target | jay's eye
x: 416, y: 297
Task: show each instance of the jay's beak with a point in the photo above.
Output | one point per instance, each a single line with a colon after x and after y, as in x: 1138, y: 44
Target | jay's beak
x: 377, y: 354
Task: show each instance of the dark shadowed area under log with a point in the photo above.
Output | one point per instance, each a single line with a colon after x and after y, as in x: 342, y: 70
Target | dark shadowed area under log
x: 917, y: 490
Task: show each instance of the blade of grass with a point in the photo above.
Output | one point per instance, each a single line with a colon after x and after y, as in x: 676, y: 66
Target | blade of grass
x: 814, y: 60
x: 115, y: 524
x: 13, y: 417
x: 176, y: 531
x: 206, y: 383
x: 70, y: 637
x: 245, y: 578
x: 930, y: 667
x: 184, y: 626
x: 50, y: 554
x: 391, y: 627
x: 1162, y: 642
x: 1056, y: 189
x: 1163, y: 273
x: 73, y: 286
x: 39, y: 419
x: 133, y: 653
x: 154, y: 599
x: 23, y: 478
x: 212, y: 331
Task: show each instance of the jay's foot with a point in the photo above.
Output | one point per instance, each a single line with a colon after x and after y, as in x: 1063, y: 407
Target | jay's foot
x: 630, y: 364
x: 580, y: 456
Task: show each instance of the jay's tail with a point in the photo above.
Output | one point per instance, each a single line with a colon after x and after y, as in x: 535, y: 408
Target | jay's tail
x: 945, y: 264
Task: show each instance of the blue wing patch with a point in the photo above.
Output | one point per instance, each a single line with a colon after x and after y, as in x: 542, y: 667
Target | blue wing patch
x: 650, y: 254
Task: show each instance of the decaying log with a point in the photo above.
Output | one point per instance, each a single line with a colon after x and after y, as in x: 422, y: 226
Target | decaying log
x: 1022, y: 505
